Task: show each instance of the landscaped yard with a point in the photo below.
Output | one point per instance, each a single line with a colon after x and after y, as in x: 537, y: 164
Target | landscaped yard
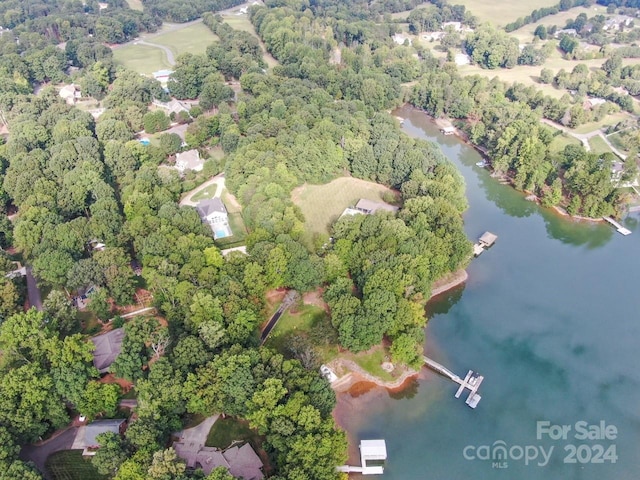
x: 598, y: 145
x: 141, y: 58
x: 238, y: 230
x: 322, y: 205
x: 561, y: 141
x: 71, y: 465
x: 228, y: 430
x: 205, y: 193
x: 192, y: 39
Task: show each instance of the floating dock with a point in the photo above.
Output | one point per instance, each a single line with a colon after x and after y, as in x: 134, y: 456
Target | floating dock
x: 471, y: 382
x: 484, y: 242
x: 619, y: 228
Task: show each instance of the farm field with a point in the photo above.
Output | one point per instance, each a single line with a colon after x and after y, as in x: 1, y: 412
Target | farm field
x: 241, y: 22
x: 502, y: 12
x: 70, y: 465
x: 321, y: 205
x: 141, y: 58
x: 192, y: 39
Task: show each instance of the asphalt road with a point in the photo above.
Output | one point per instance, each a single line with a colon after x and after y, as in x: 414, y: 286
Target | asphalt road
x: 33, y: 292
x: 38, y: 453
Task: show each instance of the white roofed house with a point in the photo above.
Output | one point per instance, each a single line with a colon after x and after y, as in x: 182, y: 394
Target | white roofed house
x: 214, y: 213
x: 70, y: 93
x: 189, y: 160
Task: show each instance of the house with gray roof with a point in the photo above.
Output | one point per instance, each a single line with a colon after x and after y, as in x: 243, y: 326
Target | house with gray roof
x: 213, y: 212
x: 189, y: 160
x: 240, y: 461
x: 370, y: 207
x: 86, y: 437
x: 108, y: 346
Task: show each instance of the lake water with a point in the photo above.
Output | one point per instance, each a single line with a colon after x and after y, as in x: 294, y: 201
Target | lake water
x: 549, y: 316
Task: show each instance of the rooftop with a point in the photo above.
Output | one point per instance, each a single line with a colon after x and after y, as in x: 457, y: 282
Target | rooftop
x: 369, y: 206
x: 189, y: 160
x: 208, y: 207
x: 108, y: 346
x: 373, y: 449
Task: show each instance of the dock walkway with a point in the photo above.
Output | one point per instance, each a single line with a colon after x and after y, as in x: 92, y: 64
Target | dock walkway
x: 622, y: 230
x: 472, y: 381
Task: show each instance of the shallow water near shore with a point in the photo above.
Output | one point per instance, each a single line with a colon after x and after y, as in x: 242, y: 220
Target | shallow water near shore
x: 550, y: 317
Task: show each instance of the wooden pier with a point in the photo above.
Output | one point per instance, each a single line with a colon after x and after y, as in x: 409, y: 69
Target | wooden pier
x: 472, y: 381
x: 619, y: 228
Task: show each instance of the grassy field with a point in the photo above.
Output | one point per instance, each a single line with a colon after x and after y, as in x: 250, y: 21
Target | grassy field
x: 616, y: 140
x: 598, y: 145
x: 135, y: 4
x: 207, y: 193
x: 608, y: 120
x: 70, y: 465
x: 525, y: 33
x: 502, y: 12
x: 561, y: 141
x: 141, y: 58
x: 228, y: 430
x: 241, y: 22
x: 192, y: 39
x: 237, y: 228
x: 343, y: 192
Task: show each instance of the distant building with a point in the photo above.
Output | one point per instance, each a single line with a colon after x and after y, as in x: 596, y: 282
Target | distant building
x: 448, y: 130
x: 174, y: 106
x: 214, y: 213
x: 162, y: 76
x: 590, y: 103
x: 86, y: 437
x: 566, y: 31
x: 70, y: 93
x: 369, y: 207
x: 108, y: 347
x: 243, y: 11
x: 456, y: 26
x: 399, y: 38
x: 462, y: 59
x: 617, y: 22
x: 189, y: 160
x: 432, y: 36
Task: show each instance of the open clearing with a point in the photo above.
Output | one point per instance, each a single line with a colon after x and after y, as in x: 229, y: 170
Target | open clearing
x: 561, y: 141
x: 502, y: 12
x: 141, y: 58
x: 241, y: 22
x: 192, y: 39
x: 70, y: 465
x: 135, y: 4
x: 525, y: 33
x: 321, y: 205
x: 598, y: 145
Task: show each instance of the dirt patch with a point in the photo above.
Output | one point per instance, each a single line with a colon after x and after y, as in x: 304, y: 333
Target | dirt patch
x: 315, y: 298
x: 125, y: 385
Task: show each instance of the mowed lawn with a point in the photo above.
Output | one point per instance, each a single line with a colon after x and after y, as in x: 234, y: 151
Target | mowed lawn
x: 71, y: 465
x: 321, y: 205
x: 501, y: 12
x: 598, y: 145
x: 141, y: 58
x: 242, y: 22
x: 135, y: 4
x: 192, y: 39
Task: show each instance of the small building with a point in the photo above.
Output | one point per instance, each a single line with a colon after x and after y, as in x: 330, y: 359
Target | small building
x: 487, y: 239
x: 214, y: 213
x: 369, y: 207
x: 399, y: 38
x: 590, y: 103
x: 462, y: 59
x: 243, y: 11
x: 162, y: 76
x: 70, y: 94
x: 86, y: 436
x: 566, y: 31
x: 108, y: 347
x: 432, y: 36
x: 448, y: 130
x: 173, y: 106
x: 373, y: 453
x: 189, y: 160
x: 455, y: 26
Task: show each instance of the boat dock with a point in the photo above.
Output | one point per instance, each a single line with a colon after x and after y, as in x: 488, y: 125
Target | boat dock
x: 484, y: 242
x: 619, y: 228
x: 373, y: 454
x: 471, y: 382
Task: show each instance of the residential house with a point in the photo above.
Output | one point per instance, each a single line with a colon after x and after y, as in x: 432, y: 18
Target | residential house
x: 214, y: 213
x: 456, y: 26
x: 174, y: 106
x: 70, y: 93
x: 108, y: 347
x: 189, y: 160
x: 368, y: 207
x: 566, y: 31
x: 399, y: 38
x: 86, y: 436
x: 590, y: 103
x: 617, y: 22
x: 241, y: 462
x: 162, y: 76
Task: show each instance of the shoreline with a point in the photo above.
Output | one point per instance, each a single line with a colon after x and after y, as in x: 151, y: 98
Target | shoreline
x: 504, y: 179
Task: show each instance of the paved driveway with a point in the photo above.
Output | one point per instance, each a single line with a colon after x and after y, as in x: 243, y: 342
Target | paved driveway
x: 197, y: 435
x: 38, y: 453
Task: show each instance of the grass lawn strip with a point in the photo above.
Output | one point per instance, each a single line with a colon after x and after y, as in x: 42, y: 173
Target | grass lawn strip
x: 192, y: 39
x: 71, y: 465
x: 205, y: 193
x: 141, y: 58
x: 501, y: 13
